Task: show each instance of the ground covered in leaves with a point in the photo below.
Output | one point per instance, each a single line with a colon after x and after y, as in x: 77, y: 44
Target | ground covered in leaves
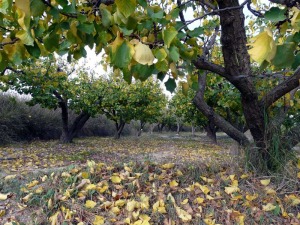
x: 150, y: 180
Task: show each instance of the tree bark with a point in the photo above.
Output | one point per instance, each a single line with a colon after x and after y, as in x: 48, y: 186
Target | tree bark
x: 142, y: 124
x: 68, y: 134
x: 211, y: 131
x: 119, y: 128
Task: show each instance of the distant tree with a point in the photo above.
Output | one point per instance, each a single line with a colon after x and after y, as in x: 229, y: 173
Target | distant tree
x: 123, y: 102
x: 55, y: 84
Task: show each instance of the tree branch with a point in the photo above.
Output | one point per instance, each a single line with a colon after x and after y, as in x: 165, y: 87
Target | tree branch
x: 9, y: 42
x: 283, y: 88
x: 214, y: 12
x: 203, y: 64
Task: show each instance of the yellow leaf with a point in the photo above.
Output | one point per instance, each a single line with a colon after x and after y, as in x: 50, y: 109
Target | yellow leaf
x: 293, y: 199
x: 205, y: 189
x: 85, y: 175
x: 2, y: 213
x: 198, y: 200
x: 116, y: 179
x: 268, y: 207
x: 144, y: 204
x: 54, y: 218
x: 32, y: 184
x: 298, y: 164
x: 3, y: 196
x: 298, y: 175
x: 115, y: 210
x: 120, y: 203
x: 130, y: 206
x: 263, y: 47
x: 90, y: 204
x: 173, y: 183
x: 265, y: 182
x: 183, y: 215
x: 185, y: 201
x: 143, y: 54
x: 39, y: 190
x: 244, y: 176
x: 167, y: 166
x: 270, y: 191
x: 251, y: 197
x: 209, y: 221
x: 27, y: 197
x: 230, y: 190
x: 90, y: 187
x: 159, y: 206
x: 9, y: 177
x: 207, y: 180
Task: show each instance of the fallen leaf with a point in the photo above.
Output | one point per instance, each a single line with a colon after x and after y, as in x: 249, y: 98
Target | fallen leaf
x: 265, y: 182
x: 268, y: 207
x: 90, y: 204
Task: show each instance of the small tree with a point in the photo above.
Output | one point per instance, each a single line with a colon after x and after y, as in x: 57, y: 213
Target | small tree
x: 123, y: 102
x: 54, y: 84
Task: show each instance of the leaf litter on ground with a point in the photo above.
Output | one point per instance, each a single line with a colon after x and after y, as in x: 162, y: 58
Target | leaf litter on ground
x: 121, y: 183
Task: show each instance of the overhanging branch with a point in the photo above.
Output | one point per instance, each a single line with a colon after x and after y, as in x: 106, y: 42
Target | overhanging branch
x: 283, y: 88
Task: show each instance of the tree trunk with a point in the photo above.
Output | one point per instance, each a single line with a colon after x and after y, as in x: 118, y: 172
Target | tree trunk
x: 237, y: 66
x: 193, y: 130
x: 68, y: 134
x: 211, y: 131
x: 178, y: 128
x: 119, y: 128
x: 142, y: 124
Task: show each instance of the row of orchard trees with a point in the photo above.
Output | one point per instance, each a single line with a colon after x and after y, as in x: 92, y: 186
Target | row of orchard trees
x: 56, y: 84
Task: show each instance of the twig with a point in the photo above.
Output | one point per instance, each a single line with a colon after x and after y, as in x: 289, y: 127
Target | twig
x: 214, y: 12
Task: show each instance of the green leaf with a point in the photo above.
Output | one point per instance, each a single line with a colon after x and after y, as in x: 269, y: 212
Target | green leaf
x: 155, y: 15
x: 25, y: 37
x: 105, y: 16
x: 196, y: 32
x: 170, y: 85
x: 284, y: 55
x: 51, y: 42
x: 275, y: 14
x: 142, y: 72
x: 126, y: 7
x: 162, y: 66
x: 168, y: 35
x: 174, y: 53
x: 63, y: 3
x: 296, y: 62
x: 70, y: 8
x: 127, y: 75
x: 296, y: 37
x: 161, y: 76
x: 86, y: 28
x: 143, y: 3
x: 175, y: 13
x: 34, y: 50
x: 5, y: 5
x: 123, y: 56
x: 160, y: 54
x: 37, y: 8
x: 3, y: 61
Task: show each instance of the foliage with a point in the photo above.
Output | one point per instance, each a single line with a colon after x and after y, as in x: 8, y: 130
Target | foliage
x: 123, y: 102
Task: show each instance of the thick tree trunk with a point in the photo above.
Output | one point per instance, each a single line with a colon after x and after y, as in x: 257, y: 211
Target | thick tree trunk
x: 237, y: 66
x: 68, y: 134
x: 119, y: 128
x: 211, y: 131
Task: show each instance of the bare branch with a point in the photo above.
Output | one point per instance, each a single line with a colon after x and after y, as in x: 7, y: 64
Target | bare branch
x: 283, y: 88
x: 214, y: 12
x: 9, y: 42
x: 13, y: 70
x: 203, y: 64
